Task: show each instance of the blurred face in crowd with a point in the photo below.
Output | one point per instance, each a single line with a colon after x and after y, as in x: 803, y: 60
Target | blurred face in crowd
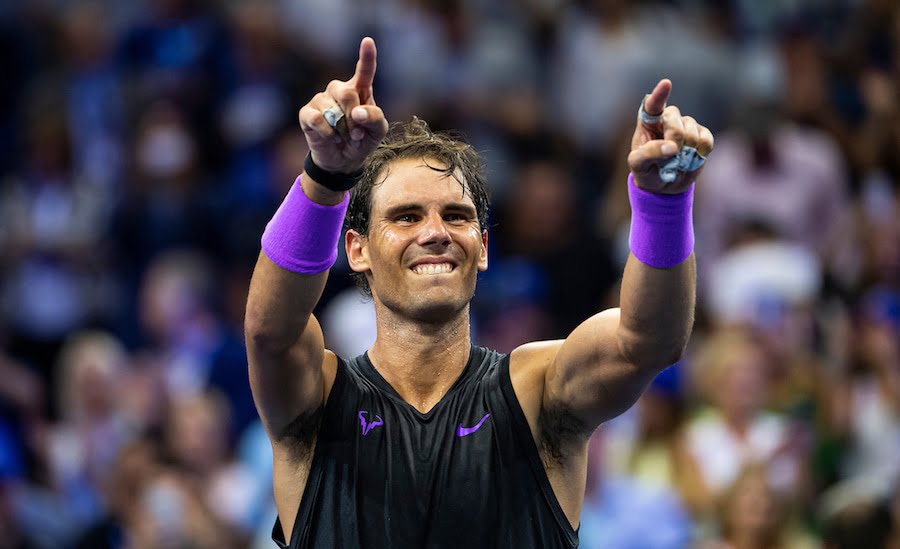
x: 660, y: 413
x: 197, y: 433
x: 172, y: 296
x: 543, y: 207
x: 751, y: 507
x: 91, y: 367
x: 425, y: 245
x: 165, y: 149
x: 740, y: 387
x: 87, y: 33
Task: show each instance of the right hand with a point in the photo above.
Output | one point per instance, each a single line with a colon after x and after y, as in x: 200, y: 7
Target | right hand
x: 358, y: 133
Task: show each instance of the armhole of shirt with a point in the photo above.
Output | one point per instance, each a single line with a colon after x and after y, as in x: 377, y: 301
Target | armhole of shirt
x: 526, y: 441
x: 307, y: 501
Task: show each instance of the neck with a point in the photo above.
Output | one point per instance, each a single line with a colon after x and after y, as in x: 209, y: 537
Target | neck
x: 748, y: 540
x: 738, y: 422
x: 420, y: 360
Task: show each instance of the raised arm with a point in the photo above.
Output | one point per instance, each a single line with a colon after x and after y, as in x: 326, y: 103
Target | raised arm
x: 285, y: 346
x: 604, y: 365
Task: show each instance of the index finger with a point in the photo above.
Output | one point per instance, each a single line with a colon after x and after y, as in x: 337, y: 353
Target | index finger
x: 364, y: 76
x: 655, y: 103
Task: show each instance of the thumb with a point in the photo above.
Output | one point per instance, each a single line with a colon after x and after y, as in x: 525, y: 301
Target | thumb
x: 371, y: 119
x: 652, y: 153
x: 368, y: 116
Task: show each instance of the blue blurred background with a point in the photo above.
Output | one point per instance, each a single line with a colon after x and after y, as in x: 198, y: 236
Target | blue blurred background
x: 144, y: 145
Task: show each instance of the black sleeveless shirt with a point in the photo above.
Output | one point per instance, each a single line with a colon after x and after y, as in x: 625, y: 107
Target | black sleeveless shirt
x: 465, y: 475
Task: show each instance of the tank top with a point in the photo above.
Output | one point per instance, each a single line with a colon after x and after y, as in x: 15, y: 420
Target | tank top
x: 467, y: 474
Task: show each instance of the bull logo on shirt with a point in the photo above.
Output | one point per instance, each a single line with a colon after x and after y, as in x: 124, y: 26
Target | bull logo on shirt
x: 366, y: 425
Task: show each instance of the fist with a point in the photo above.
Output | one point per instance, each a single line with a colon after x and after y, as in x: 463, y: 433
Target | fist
x: 656, y: 143
x: 361, y: 126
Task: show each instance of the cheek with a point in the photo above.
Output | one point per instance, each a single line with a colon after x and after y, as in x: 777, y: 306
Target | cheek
x: 473, y: 234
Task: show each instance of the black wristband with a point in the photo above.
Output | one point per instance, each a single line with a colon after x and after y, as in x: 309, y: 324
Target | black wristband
x: 336, y: 181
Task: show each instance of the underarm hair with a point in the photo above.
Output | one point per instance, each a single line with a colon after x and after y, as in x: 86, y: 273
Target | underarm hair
x: 299, y: 436
x: 560, y: 434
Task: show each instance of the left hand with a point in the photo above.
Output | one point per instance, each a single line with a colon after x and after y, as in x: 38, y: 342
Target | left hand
x: 655, y: 144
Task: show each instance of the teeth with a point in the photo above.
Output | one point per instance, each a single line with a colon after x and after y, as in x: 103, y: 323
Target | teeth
x: 433, y: 268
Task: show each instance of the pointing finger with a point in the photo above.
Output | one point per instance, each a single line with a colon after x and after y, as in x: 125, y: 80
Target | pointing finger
x: 364, y: 76
x: 655, y: 102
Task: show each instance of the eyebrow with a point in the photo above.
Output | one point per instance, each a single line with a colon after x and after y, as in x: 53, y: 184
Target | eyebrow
x: 413, y: 206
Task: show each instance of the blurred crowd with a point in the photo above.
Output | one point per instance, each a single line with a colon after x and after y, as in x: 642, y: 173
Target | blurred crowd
x: 144, y: 145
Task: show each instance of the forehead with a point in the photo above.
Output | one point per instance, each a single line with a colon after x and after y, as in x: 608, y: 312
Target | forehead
x: 418, y: 181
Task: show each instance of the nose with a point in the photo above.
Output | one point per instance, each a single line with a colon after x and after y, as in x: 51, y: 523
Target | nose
x: 434, y: 231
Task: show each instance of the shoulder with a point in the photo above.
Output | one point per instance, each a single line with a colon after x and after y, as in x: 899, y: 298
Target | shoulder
x: 528, y: 364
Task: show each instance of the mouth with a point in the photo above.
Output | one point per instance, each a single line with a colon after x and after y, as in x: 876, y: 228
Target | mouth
x: 432, y: 268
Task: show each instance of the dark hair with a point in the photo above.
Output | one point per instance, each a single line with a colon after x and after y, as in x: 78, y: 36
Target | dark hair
x: 414, y: 139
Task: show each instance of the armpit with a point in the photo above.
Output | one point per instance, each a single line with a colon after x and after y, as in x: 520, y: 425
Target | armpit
x: 298, y: 438
x: 561, y: 434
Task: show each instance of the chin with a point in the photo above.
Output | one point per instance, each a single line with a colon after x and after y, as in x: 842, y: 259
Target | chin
x: 430, y: 306
x: 436, y: 313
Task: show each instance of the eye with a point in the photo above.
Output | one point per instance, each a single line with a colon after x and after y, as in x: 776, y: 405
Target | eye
x: 406, y: 218
x: 456, y: 218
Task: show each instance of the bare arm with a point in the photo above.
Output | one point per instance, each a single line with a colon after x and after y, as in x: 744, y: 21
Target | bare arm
x: 605, y: 364
x: 285, y: 346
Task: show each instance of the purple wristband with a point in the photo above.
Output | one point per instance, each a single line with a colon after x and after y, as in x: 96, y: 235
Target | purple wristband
x: 303, y: 235
x: 662, y: 229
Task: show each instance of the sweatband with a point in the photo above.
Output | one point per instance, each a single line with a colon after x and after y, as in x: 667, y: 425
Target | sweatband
x: 662, y: 229
x: 335, y: 181
x: 302, y: 236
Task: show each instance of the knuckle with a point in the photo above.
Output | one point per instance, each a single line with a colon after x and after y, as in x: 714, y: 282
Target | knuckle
x: 307, y: 115
x: 676, y: 134
x: 346, y: 95
x: 320, y: 98
x: 672, y: 110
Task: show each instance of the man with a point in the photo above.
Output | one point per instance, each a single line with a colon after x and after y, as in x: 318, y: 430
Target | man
x: 428, y: 440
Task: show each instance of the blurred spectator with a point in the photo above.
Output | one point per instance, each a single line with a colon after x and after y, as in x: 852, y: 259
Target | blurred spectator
x: 82, y: 447
x: 788, y: 178
x: 754, y: 516
x: 125, y: 482
x: 659, y: 455
x: 95, y: 107
x: 199, y: 446
x: 178, y: 50
x: 617, y: 510
x: 51, y: 224
x: 868, y: 397
x: 544, y: 266
x: 731, y: 371
x: 348, y: 322
x: 165, y: 204
x: 859, y: 523
x: 193, y: 348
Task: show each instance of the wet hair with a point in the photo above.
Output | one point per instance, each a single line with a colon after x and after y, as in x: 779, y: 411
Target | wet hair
x: 444, y: 152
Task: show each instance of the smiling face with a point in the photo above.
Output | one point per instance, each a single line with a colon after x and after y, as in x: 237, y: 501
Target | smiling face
x: 424, y: 246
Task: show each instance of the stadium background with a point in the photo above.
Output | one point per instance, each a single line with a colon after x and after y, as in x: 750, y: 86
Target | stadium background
x: 144, y: 145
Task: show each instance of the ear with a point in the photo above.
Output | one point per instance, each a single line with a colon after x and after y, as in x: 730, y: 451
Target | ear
x: 357, y: 250
x: 483, y: 258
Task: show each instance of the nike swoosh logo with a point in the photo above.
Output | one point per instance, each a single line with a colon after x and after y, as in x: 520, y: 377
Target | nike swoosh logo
x: 464, y: 431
